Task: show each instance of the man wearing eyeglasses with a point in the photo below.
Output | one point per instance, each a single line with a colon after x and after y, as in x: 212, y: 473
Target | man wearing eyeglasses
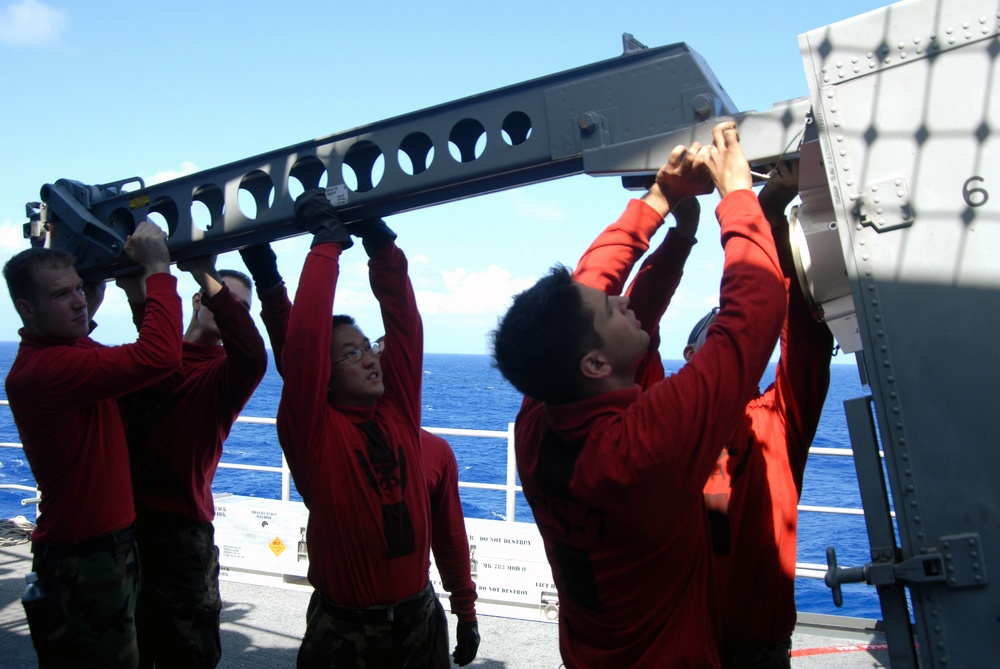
x: 614, y: 472
x: 349, y: 423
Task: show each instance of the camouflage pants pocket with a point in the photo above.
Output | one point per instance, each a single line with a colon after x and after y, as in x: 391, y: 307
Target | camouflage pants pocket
x: 85, y: 617
x: 179, y: 603
x: 405, y: 643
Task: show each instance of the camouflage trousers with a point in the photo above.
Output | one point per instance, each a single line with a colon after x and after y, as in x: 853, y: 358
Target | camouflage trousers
x: 405, y: 636
x: 82, y: 614
x: 440, y: 659
x: 177, y: 611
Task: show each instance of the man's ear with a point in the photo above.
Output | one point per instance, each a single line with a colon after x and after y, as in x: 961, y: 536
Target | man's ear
x: 196, y: 301
x: 688, y: 353
x: 25, y: 308
x: 594, y: 365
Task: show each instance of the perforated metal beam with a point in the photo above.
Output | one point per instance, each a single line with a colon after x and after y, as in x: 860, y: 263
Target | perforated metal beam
x: 522, y: 134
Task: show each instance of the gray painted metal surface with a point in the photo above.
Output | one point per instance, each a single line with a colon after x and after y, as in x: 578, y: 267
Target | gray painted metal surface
x: 881, y: 534
x: 905, y: 101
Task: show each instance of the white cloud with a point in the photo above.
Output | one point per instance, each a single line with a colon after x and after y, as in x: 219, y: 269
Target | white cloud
x: 32, y: 23
x: 12, y: 238
x: 187, y: 167
x: 471, y: 293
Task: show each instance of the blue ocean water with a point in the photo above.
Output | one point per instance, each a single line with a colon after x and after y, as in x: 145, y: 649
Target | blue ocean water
x: 464, y: 391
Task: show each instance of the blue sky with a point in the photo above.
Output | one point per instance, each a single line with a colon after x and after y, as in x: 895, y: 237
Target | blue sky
x: 97, y: 92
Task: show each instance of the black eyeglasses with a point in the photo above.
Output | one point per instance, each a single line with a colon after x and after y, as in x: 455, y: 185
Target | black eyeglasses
x: 355, y: 354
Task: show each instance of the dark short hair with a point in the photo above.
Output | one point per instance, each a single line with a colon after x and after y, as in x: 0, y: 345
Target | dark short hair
x: 343, y: 319
x: 19, y: 269
x: 538, y: 343
x: 234, y: 274
x: 238, y: 275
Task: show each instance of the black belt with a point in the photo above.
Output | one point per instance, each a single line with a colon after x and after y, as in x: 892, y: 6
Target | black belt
x: 106, y: 543
x: 146, y: 518
x: 377, y: 614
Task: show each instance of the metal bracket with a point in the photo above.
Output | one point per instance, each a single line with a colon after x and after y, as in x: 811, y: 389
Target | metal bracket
x: 630, y: 43
x: 34, y: 229
x: 962, y: 558
x: 885, y: 204
x: 71, y: 226
x: 957, y: 561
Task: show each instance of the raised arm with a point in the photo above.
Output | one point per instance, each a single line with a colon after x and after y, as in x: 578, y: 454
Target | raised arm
x: 134, y: 287
x: 275, y: 306
x: 159, y: 343
x: 608, y: 261
x: 701, y: 403
x: 654, y: 285
x: 306, y: 355
x: 246, y: 358
x: 660, y: 273
x: 802, y: 377
x: 108, y: 372
x: 402, y: 364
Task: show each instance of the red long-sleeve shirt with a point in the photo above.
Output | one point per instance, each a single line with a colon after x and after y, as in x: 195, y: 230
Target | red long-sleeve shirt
x: 754, y: 491
x: 449, y: 540
x: 615, y: 480
x: 177, y: 427
x: 275, y: 309
x: 350, y: 497
x: 62, y: 395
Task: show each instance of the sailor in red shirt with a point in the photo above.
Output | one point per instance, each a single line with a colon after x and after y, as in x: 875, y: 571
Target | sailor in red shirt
x: 62, y: 389
x: 450, y: 542
x: 349, y: 424
x: 754, y: 490
x: 614, y: 474
x: 753, y: 493
x: 275, y: 306
x: 449, y: 539
x: 176, y: 431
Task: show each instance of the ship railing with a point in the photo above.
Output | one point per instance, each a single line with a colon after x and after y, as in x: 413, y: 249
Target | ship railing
x: 509, y: 486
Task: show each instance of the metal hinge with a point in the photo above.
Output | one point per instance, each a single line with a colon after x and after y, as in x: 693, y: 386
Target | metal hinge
x: 885, y: 205
x: 957, y: 560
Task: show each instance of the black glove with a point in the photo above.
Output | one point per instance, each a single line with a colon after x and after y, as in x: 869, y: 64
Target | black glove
x: 262, y: 265
x: 314, y: 213
x: 467, y: 636
x: 374, y: 234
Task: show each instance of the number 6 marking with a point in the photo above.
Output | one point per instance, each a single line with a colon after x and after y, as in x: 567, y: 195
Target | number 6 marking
x: 971, y: 193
